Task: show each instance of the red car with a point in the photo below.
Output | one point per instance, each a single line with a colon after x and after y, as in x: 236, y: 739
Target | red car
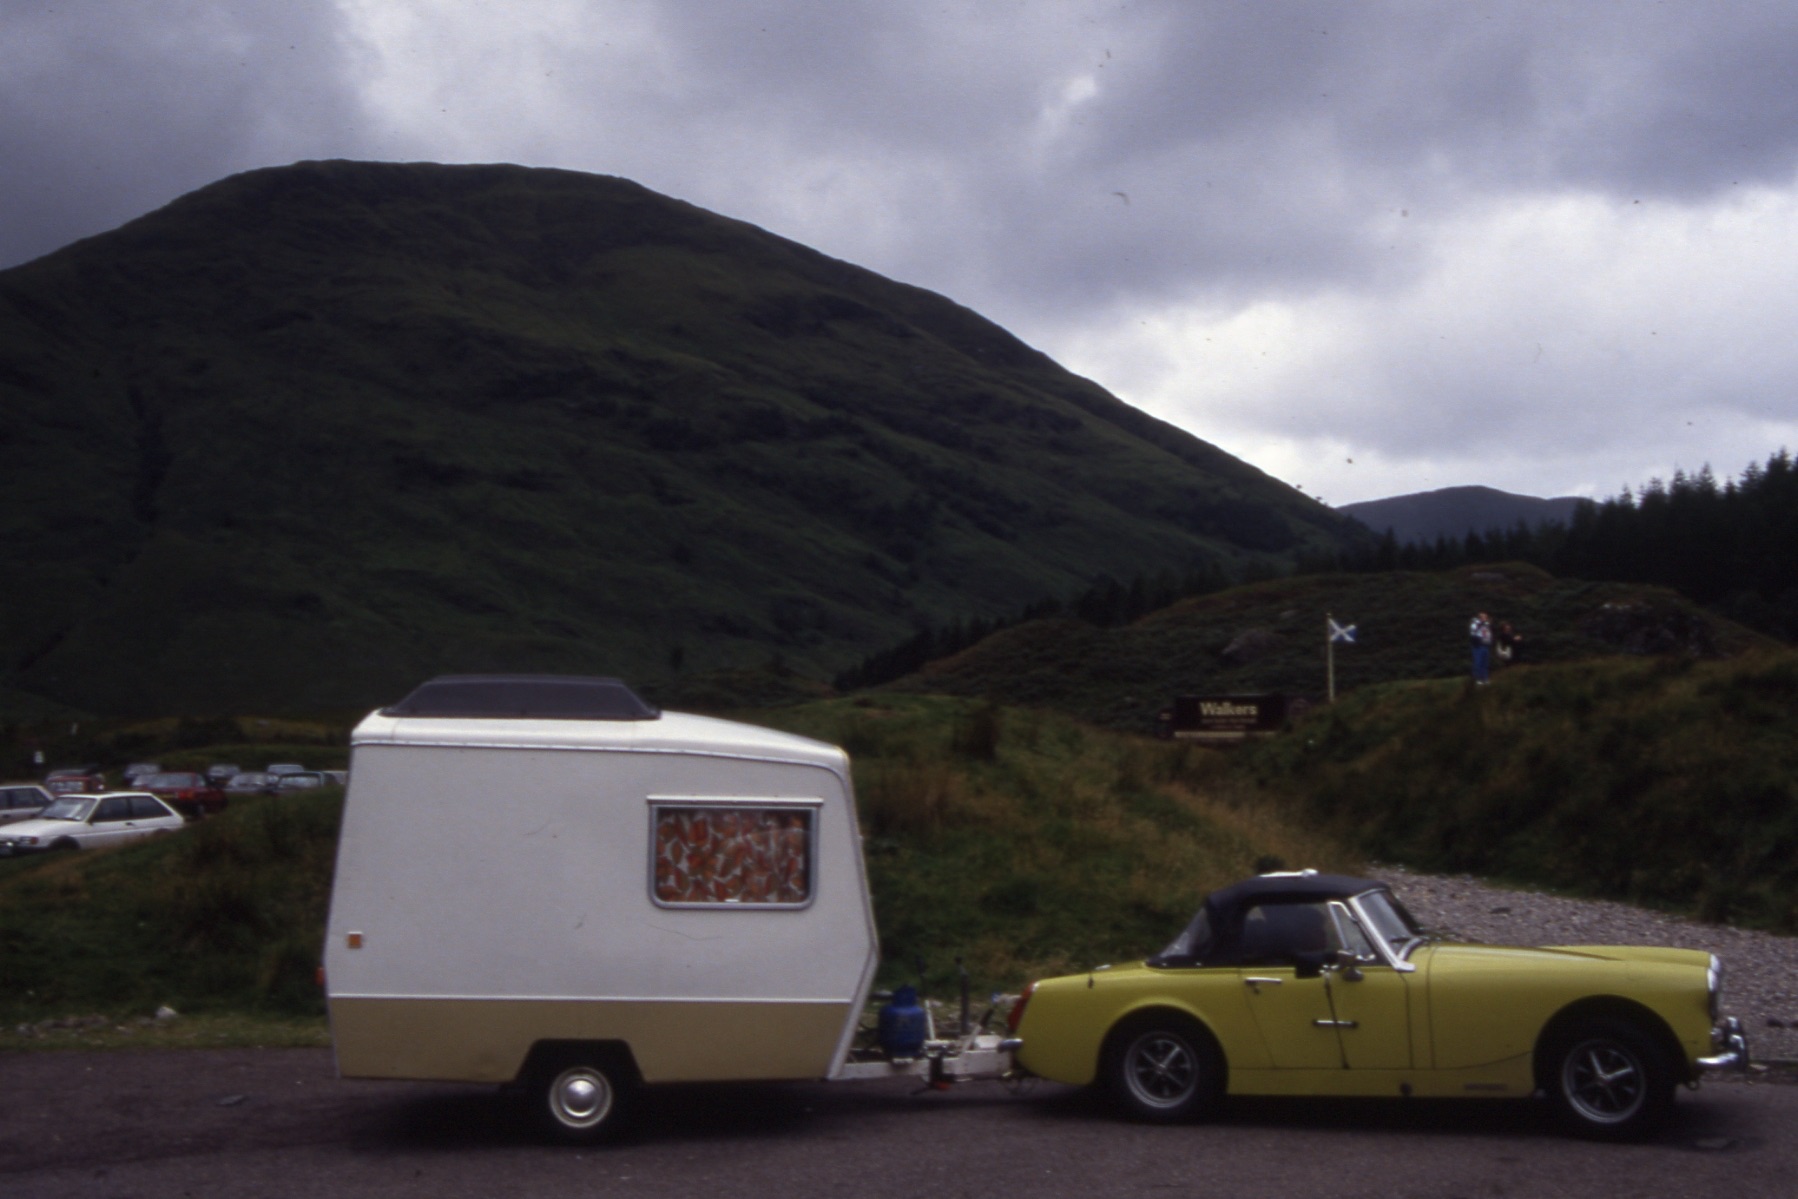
x: 187, y: 791
x: 75, y: 780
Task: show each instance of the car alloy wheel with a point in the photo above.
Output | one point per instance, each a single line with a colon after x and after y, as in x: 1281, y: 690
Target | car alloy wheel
x: 1160, y: 1069
x: 1164, y: 1071
x: 1610, y: 1081
x: 1604, y: 1081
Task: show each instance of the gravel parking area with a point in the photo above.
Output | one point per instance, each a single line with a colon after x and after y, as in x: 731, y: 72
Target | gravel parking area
x: 1760, y: 970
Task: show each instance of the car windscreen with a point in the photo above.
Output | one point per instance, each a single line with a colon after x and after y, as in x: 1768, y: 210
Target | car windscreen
x: 68, y: 809
x: 1390, y: 920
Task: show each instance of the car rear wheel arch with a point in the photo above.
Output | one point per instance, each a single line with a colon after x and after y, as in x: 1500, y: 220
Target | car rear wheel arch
x: 1163, y: 1065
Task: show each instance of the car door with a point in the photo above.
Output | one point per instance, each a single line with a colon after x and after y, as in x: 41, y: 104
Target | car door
x: 149, y: 815
x: 110, y: 823
x: 1369, y: 1000
x: 1293, y: 1013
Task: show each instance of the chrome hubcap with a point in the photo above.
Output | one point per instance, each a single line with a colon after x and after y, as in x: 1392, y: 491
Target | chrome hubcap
x: 580, y: 1097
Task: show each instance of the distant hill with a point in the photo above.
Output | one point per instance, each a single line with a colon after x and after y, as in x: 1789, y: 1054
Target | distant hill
x: 309, y: 434
x: 1454, y: 512
x: 1270, y: 637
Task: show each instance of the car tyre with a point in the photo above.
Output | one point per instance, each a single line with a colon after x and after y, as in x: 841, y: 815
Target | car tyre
x: 1609, y: 1080
x: 583, y: 1102
x: 1164, y: 1069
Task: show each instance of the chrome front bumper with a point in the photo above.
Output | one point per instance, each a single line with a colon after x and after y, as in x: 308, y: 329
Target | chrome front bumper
x: 1731, y: 1044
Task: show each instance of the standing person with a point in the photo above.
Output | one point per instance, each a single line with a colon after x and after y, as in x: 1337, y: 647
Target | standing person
x: 1481, y: 634
x: 1508, y: 642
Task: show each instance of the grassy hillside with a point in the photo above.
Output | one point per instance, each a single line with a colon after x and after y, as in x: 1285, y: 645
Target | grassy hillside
x: 310, y: 434
x: 1021, y: 841
x: 1270, y: 637
x: 1665, y: 781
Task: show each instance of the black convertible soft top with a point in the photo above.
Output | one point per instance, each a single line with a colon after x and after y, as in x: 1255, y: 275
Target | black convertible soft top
x: 1212, y: 937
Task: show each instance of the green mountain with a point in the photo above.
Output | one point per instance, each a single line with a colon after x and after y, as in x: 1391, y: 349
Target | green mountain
x: 309, y: 434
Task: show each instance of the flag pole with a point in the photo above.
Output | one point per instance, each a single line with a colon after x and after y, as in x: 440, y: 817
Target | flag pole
x: 1330, y: 652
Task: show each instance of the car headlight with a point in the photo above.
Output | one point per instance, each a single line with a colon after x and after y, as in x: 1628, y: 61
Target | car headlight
x: 1713, y: 981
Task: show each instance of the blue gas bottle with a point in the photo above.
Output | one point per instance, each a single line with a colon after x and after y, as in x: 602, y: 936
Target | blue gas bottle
x: 903, y: 1025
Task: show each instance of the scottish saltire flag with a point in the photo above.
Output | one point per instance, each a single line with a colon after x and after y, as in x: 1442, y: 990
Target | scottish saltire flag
x: 1341, y: 632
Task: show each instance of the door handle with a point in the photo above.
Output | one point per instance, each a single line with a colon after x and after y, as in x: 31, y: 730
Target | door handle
x: 1257, y: 983
x: 1335, y: 1024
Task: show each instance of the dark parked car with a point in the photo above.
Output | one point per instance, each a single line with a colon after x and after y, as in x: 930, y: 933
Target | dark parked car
x: 251, y: 782
x: 187, y: 791
x: 137, y: 770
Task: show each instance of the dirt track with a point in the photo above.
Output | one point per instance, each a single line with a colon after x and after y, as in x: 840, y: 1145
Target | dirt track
x: 278, y: 1123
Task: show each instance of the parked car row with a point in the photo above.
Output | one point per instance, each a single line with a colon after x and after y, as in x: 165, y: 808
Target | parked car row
x: 282, y: 782
x: 190, y: 793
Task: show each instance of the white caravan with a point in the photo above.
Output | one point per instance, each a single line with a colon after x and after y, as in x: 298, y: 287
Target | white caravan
x: 544, y: 880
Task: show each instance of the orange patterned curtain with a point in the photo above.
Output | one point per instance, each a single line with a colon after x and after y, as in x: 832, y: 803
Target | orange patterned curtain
x: 733, y: 855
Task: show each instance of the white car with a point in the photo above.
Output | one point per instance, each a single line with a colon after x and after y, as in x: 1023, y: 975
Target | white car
x: 89, y: 822
x: 22, y: 801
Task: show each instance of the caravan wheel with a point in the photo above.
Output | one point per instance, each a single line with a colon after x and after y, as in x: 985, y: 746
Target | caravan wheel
x: 583, y: 1102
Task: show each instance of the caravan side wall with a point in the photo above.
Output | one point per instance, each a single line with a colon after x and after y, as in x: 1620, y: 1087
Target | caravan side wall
x: 489, y: 898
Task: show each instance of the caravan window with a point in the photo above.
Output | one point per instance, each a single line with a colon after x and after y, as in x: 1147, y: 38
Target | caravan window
x: 732, y: 854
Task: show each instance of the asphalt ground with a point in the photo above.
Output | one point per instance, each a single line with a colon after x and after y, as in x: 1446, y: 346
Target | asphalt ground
x: 279, y: 1123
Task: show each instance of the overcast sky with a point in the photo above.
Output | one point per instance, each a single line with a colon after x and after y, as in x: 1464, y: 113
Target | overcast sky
x: 1372, y: 248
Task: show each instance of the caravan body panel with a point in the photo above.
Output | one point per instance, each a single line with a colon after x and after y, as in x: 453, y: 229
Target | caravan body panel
x: 690, y: 887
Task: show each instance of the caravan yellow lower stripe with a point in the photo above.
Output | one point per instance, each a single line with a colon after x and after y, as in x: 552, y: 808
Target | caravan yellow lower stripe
x: 487, y: 1040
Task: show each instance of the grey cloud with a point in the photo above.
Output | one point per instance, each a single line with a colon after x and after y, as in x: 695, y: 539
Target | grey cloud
x: 1263, y: 152
x: 1263, y: 146
x: 111, y: 110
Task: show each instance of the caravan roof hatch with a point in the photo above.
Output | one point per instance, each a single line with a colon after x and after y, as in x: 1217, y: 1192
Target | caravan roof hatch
x: 524, y: 696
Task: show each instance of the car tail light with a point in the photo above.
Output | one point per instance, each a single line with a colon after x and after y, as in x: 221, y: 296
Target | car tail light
x: 1017, y: 1009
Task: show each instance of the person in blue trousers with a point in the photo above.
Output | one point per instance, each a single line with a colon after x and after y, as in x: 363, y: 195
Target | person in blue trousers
x: 1481, y: 633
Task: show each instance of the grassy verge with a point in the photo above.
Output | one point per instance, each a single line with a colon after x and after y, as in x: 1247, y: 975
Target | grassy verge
x: 231, y: 1030
x: 224, y: 917
x: 1025, y: 842
x: 1022, y: 842
x: 1660, y: 781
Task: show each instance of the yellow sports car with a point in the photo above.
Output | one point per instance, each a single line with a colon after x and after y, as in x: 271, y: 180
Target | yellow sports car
x: 1316, y: 984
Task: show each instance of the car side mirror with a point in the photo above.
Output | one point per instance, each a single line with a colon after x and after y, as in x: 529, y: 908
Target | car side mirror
x: 1346, y: 961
